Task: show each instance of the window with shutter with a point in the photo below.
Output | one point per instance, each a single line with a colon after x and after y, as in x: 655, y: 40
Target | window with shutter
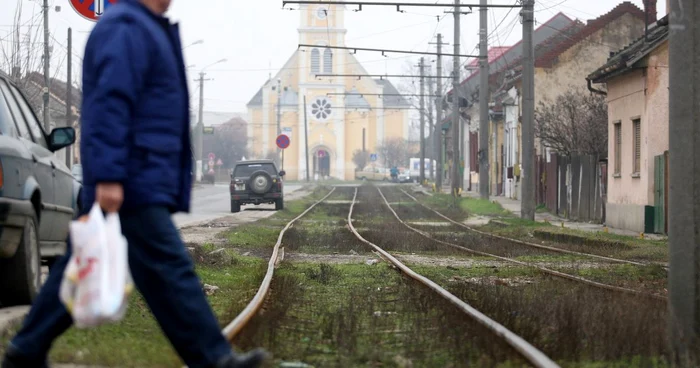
x: 328, y: 61
x: 618, y: 148
x: 637, y: 144
x: 315, y: 61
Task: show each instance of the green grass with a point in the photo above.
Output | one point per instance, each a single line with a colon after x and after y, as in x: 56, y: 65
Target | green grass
x: 355, y: 315
x: 470, y: 206
x: 137, y: 340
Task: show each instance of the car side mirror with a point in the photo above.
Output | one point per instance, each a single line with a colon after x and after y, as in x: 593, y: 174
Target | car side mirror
x: 283, y: 173
x: 61, y: 138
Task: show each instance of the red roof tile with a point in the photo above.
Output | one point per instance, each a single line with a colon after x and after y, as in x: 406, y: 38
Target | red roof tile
x: 494, y: 53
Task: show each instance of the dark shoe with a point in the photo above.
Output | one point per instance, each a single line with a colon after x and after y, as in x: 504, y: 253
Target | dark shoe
x: 252, y: 359
x: 13, y: 359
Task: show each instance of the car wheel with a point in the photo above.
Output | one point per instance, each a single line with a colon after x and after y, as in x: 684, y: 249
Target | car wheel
x: 260, y: 182
x: 279, y: 204
x: 235, y: 207
x: 21, y: 274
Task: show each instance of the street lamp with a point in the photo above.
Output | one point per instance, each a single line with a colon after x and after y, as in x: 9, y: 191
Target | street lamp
x: 198, y: 42
x: 200, y: 123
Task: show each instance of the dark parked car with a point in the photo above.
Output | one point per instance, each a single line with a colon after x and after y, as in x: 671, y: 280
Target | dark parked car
x: 38, y: 196
x: 256, y: 182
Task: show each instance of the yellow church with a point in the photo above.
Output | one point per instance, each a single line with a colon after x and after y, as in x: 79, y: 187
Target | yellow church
x: 341, y: 111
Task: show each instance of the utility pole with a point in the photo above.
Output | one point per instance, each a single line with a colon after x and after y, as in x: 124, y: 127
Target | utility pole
x: 306, y: 142
x: 431, y: 128
x: 47, y: 59
x: 438, y: 119
x: 69, y: 93
x: 684, y: 181
x: 456, y: 129
x: 199, y: 141
x: 527, y: 210
x: 422, y: 121
x: 279, y: 112
x: 484, y: 172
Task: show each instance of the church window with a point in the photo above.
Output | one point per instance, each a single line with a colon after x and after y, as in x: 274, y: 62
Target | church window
x: 315, y: 61
x: 328, y: 61
x: 321, y: 108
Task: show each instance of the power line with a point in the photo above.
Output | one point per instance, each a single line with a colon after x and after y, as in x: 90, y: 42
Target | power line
x: 398, y: 6
x: 383, y: 51
x: 381, y: 76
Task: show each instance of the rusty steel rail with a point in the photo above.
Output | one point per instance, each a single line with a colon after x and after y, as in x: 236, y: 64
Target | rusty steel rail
x: 533, y: 245
x: 235, y: 327
x: 529, y: 352
x: 527, y: 264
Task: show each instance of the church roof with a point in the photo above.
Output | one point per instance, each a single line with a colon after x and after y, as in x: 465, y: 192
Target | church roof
x: 356, y: 100
x: 257, y: 100
x: 393, y: 100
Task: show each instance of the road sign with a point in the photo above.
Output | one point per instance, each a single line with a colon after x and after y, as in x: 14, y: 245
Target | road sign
x: 208, y: 130
x: 373, y: 157
x: 91, y: 9
x: 322, y: 153
x: 283, y: 141
x: 219, y: 163
x: 212, y: 156
x: 287, y: 131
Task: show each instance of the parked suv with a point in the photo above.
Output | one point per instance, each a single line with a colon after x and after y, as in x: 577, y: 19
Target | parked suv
x: 256, y: 182
x: 38, y: 196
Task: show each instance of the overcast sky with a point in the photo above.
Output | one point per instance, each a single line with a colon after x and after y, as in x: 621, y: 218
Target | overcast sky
x: 257, y: 37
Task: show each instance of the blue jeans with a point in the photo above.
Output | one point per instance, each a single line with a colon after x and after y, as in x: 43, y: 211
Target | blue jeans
x: 163, y: 272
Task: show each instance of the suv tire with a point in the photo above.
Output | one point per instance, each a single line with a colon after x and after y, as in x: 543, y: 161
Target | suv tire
x: 279, y: 204
x: 260, y: 182
x: 235, y: 207
x: 23, y: 269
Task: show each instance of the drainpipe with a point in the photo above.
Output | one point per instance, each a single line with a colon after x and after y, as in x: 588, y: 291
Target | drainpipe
x: 597, y: 91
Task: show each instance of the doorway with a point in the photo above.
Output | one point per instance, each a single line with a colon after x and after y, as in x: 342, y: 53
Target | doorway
x: 322, y: 163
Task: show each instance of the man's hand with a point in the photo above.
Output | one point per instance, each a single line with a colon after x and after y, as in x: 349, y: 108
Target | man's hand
x: 110, y: 196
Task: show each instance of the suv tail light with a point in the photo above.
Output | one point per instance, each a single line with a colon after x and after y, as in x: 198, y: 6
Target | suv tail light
x: 279, y: 185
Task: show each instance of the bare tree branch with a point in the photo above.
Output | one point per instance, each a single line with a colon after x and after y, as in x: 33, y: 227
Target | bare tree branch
x: 575, y: 123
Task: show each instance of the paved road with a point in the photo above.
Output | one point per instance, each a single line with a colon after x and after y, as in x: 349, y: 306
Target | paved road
x: 210, y: 202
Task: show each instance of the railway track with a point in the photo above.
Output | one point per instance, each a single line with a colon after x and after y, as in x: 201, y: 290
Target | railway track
x: 529, y: 352
x: 533, y: 245
x: 235, y: 327
x: 514, y: 261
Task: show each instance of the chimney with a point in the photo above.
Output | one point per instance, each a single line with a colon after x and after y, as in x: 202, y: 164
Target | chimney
x: 650, y: 10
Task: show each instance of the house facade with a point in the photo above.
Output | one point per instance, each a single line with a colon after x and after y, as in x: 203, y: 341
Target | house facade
x: 343, y: 114
x: 561, y: 64
x: 637, y: 82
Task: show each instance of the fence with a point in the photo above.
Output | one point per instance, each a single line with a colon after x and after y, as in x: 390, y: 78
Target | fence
x: 572, y: 186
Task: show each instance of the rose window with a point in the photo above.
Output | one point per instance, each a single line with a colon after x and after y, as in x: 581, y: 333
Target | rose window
x: 321, y: 109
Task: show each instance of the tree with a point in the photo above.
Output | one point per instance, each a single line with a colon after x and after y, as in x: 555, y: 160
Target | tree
x: 229, y: 141
x: 575, y: 123
x: 360, y: 158
x: 394, y: 152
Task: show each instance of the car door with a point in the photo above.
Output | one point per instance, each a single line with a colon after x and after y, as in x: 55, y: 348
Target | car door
x: 62, y: 191
x: 40, y: 166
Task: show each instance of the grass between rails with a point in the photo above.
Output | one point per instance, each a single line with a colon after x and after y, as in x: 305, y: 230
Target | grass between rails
x: 356, y: 315
x: 576, y: 325
x: 600, y: 243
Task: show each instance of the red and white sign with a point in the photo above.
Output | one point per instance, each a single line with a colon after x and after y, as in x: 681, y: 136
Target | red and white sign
x: 212, y: 156
x: 91, y: 9
x: 219, y: 163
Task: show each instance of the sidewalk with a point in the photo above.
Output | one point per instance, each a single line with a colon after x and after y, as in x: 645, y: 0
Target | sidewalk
x: 513, y: 205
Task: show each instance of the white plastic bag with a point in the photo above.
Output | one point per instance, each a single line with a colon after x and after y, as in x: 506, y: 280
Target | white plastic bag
x: 97, y: 280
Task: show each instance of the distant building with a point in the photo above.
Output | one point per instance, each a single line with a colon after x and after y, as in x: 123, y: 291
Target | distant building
x: 337, y: 123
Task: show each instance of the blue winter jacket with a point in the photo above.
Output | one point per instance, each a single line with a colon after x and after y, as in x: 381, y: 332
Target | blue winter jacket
x: 135, y: 110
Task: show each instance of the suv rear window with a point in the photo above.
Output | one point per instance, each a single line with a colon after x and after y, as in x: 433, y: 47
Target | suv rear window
x: 244, y: 170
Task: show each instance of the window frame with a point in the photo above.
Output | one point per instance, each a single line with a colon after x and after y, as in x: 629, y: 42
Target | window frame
x: 315, y: 61
x: 15, y: 110
x: 636, y: 147
x: 30, y: 120
x: 328, y: 61
x: 617, y: 151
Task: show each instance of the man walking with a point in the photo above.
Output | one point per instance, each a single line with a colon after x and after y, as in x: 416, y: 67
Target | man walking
x: 137, y: 161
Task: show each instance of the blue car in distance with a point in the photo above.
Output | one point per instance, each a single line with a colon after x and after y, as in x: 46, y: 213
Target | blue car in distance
x: 38, y: 196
